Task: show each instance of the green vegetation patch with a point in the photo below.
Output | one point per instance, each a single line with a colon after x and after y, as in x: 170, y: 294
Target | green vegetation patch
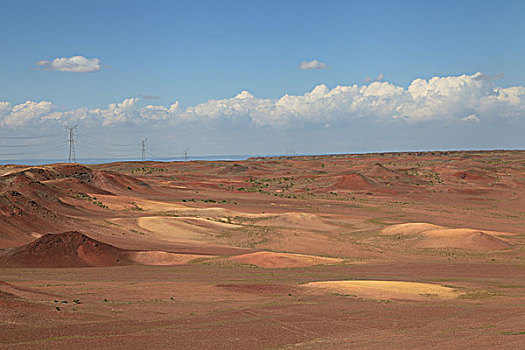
x: 91, y: 199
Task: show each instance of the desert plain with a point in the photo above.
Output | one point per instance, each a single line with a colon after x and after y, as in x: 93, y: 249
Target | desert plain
x: 413, y: 250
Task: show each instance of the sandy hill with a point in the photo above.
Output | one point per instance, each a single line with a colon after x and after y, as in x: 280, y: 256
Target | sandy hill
x: 31, y: 198
x: 439, y: 237
x: 74, y: 249
x: 296, y: 220
x: 68, y: 249
x: 463, y: 239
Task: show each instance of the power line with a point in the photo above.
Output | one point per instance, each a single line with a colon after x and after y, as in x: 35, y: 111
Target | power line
x: 158, y: 153
x: 30, y: 137
x: 30, y: 145
x: 97, y: 140
x: 101, y: 150
x: 108, y: 150
x: 90, y: 145
x: 33, y: 152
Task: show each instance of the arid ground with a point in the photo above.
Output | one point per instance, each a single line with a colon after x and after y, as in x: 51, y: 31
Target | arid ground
x: 393, y: 250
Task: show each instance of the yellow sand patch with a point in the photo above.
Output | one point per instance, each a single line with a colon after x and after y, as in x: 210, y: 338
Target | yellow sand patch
x: 282, y: 260
x: 296, y: 220
x: 36, y: 235
x: 164, y: 258
x: 385, y: 290
x: 129, y: 202
x: 218, y: 223
x: 183, y: 229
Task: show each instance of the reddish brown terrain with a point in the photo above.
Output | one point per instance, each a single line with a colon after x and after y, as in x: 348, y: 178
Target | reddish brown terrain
x: 393, y: 250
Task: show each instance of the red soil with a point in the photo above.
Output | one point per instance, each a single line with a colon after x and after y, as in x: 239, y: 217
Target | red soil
x: 471, y: 175
x: 68, y: 249
x: 355, y: 181
x: 213, y: 303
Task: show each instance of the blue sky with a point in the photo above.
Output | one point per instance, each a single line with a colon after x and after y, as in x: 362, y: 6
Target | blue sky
x: 193, y: 52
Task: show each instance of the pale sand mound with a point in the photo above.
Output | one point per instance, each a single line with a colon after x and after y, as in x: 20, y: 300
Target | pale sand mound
x: 133, y: 203
x: 410, y: 229
x: 282, y: 260
x: 386, y: 290
x: 462, y: 239
x: 297, y: 220
x: 164, y: 258
x: 434, y: 236
x: 183, y: 229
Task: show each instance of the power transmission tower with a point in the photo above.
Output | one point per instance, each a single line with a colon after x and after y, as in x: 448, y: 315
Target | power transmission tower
x: 72, y: 155
x: 144, y: 149
x: 186, y: 152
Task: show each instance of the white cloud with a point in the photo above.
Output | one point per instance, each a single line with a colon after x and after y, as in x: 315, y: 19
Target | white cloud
x: 440, y: 99
x: 471, y: 118
x: 75, y: 64
x: 313, y: 64
x: 23, y: 113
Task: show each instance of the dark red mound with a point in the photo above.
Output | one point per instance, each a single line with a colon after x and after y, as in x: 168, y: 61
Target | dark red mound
x: 68, y: 249
x: 355, y: 181
x: 471, y: 175
x: 388, y: 176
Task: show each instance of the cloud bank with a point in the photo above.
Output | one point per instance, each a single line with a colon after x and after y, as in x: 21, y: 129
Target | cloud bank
x: 75, y: 64
x: 446, y: 100
x: 313, y: 64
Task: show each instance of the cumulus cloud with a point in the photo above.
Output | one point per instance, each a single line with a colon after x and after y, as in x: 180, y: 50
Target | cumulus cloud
x: 446, y: 100
x: 24, y: 113
x: 313, y: 64
x: 75, y: 64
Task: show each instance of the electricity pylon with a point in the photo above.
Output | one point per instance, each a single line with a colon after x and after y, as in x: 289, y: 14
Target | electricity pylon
x: 144, y: 149
x: 72, y: 155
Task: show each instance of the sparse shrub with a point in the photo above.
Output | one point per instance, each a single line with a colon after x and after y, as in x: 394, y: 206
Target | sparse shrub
x: 135, y: 207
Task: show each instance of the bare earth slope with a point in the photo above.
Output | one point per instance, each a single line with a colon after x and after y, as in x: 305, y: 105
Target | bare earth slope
x: 68, y: 249
x: 411, y: 250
